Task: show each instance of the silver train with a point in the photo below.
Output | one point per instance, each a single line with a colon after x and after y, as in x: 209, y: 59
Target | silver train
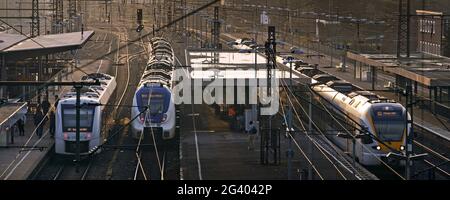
x: 91, y: 116
x: 154, y: 92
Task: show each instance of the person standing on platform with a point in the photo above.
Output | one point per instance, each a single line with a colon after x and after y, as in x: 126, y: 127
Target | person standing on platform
x: 252, y: 132
x: 12, y: 130
x: 45, y: 106
x: 21, y: 127
x: 56, y: 101
x: 38, y: 122
x: 231, y: 117
x: 52, y: 124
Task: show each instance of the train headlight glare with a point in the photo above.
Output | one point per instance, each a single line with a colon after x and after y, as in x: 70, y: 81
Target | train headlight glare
x: 402, y: 148
x: 378, y: 148
x: 164, y: 118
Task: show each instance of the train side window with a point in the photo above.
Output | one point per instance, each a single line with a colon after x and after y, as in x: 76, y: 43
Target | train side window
x: 352, y: 101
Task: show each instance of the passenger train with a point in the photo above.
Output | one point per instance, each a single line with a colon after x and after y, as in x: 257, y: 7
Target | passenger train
x: 91, y: 116
x: 383, y: 121
x: 154, y: 92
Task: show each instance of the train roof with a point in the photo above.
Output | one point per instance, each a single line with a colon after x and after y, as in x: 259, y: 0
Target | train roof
x: 160, y: 42
x: 159, y: 63
x: 324, y: 78
x: 95, y: 91
x: 367, y: 94
x: 161, y: 45
x: 157, y: 73
x: 163, y: 51
x: 155, y: 39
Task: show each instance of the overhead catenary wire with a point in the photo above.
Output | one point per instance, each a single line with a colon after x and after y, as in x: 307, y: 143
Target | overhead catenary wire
x: 309, y: 117
x: 303, y: 152
x: 131, y: 41
x: 384, y: 163
x: 321, y: 149
x: 311, y: 140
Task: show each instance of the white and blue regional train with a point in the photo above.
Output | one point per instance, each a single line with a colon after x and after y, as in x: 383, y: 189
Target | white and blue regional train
x: 154, y: 92
x: 91, y: 116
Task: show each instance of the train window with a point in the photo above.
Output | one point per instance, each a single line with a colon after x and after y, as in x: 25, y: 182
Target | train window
x: 389, y: 122
x: 69, y: 118
x: 351, y: 102
x: 157, y: 101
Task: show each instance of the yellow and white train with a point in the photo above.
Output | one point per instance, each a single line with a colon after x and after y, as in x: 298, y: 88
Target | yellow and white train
x: 384, y: 120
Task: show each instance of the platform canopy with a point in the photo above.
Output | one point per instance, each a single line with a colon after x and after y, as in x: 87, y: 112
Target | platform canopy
x: 17, y: 47
x: 8, y: 40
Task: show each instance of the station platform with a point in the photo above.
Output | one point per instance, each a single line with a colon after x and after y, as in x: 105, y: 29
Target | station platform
x: 19, y: 160
x: 210, y: 150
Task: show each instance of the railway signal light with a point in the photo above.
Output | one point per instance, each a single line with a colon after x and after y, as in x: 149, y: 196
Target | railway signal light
x: 139, y: 28
x: 139, y: 16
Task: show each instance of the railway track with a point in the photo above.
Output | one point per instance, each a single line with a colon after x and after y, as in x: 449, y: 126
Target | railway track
x: 436, y: 146
x: 64, y: 168
x: 335, y: 156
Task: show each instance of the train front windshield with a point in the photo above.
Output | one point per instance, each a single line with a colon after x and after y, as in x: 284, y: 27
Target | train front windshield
x: 389, y: 123
x: 156, y: 102
x: 156, y: 98
x: 69, y: 118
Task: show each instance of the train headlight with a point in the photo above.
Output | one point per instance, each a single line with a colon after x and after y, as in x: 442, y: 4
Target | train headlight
x: 164, y: 118
x: 142, y: 117
x: 402, y: 147
x: 378, y: 148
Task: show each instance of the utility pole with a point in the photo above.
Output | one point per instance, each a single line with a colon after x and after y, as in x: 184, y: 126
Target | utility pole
x: 216, y: 29
x: 403, y: 34
x: 409, y: 124
x: 290, y: 130
x: 59, y: 15
x: 270, y: 47
x: 409, y: 155
x: 77, y: 126
x: 72, y: 8
x: 72, y: 12
x: 35, y: 23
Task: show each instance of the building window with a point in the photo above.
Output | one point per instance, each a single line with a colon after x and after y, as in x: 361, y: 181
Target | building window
x: 421, y: 25
x: 433, y: 27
